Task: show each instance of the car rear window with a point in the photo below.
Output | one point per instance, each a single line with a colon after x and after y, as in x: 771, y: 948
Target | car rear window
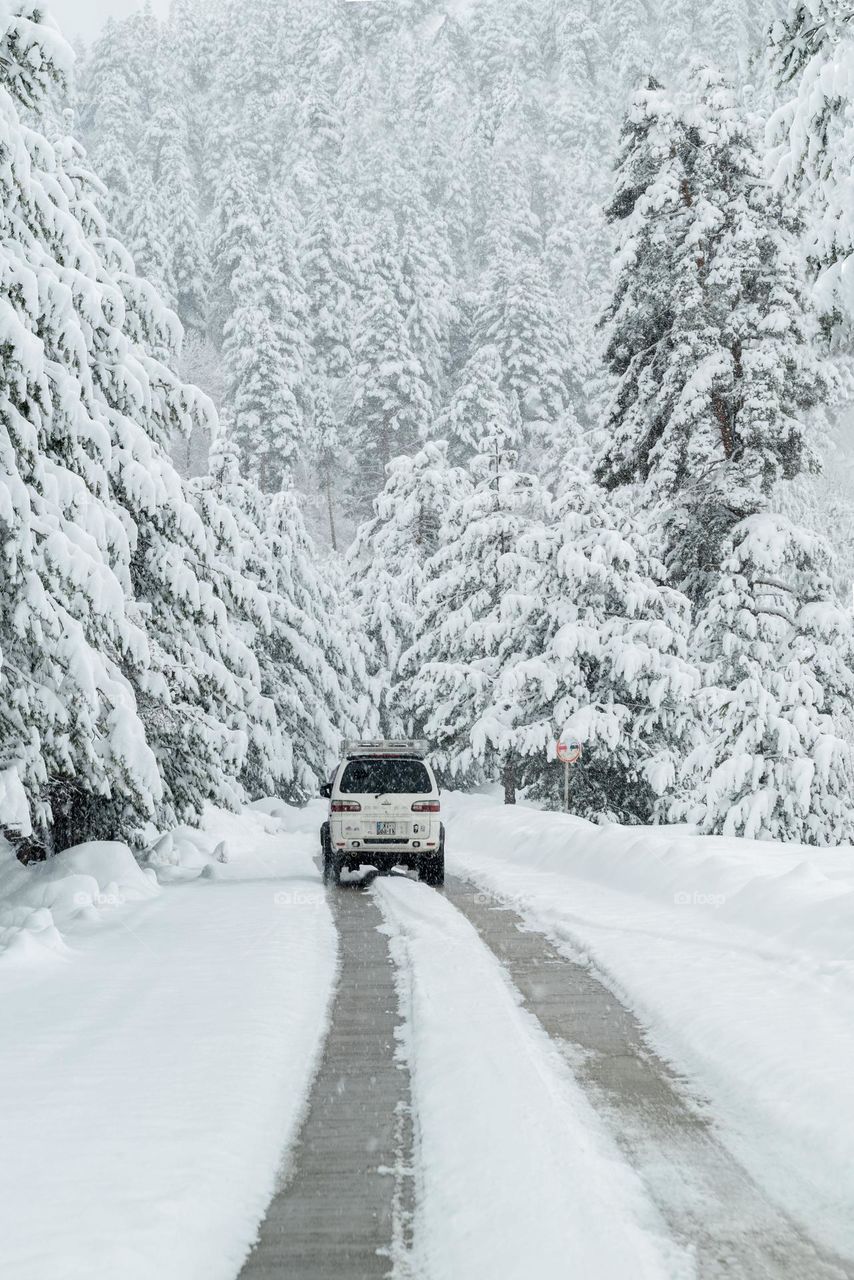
x: 385, y: 777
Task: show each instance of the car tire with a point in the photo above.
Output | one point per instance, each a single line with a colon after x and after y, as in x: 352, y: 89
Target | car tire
x: 431, y: 868
x: 332, y: 868
x: 331, y: 864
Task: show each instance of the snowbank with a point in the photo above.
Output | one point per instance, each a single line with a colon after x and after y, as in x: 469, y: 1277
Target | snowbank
x: 39, y: 903
x: 738, y: 955
x: 43, y: 901
x: 189, y: 852
x: 161, y: 1067
x: 797, y: 895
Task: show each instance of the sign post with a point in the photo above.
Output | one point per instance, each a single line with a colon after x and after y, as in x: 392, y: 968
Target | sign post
x: 568, y: 750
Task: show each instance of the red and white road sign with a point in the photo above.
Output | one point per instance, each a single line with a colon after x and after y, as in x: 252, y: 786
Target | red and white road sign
x: 569, y: 750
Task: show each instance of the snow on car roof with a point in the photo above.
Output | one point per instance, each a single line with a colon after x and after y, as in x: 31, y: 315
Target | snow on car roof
x: 386, y: 747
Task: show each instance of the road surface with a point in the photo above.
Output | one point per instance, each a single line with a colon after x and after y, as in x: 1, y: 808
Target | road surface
x: 344, y: 1202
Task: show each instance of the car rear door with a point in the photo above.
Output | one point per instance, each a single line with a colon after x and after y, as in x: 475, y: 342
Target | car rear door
x: 386, y: 808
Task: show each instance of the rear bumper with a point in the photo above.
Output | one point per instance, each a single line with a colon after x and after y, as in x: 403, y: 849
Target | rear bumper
x: 385, y: 849
x: 383, y: 862
x: 361, y: 839
x: 355, y: 851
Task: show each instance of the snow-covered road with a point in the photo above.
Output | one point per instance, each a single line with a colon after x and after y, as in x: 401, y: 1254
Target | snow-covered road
x: 709, y: 1202
x: 515, y: 1174
x: 736, y: 955
x: 482, y: 1105
x: 345, y: 1210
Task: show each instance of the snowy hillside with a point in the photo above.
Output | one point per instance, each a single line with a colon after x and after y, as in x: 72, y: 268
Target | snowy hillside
x: 336, y: 160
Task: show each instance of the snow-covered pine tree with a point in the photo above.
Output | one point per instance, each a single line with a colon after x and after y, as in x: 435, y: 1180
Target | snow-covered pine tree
x: 602, y: 658
x: 443, y: 86
x: 812, y: 54
x: 707, y: 419
x: 117, y: 654
x: 326, y: 271
x: 577, y: 53
x: 112, y: 119
x: 519, y: 315
x: 507, y: 51
x: 518, y: 312
x: 171, y: 168
x: 203, y: 704
x: 265, y: 352
x: 823, y: 503
x: 771, y: 761
x: 318, y: 654
x: 477, y: 399
x: 728, y: 36
x: 256, y: 35
x: 576, y: 112
x: 68, y: 633
x: 321, y: 129
x: 647, y: 210
x: 480, y: 588
x: 449, y: 163
x: 200, y: 698
x: 390, y: 393
x: 276, y: 587
x: 321, y: 51
x: 372, y: 25
x: 628, y: 28
x: 679, y: 38
x: 234, y: 513
x: 572, y: 191
x: 292, y: 321
x: 118, y: 95
x: 709, y: 337
x: 428, y: 274
x: 148, y: 238
x: 388, y: 559
x: 236, y: 241
x: 69, y: 721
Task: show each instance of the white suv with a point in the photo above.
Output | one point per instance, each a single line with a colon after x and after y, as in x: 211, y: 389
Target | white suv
x: 383, y: 812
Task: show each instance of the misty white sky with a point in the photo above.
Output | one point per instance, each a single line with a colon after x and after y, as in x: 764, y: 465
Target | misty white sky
x: 85, y: 17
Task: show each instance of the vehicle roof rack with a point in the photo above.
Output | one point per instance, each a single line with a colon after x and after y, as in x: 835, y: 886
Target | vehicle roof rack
x: 386, y: 747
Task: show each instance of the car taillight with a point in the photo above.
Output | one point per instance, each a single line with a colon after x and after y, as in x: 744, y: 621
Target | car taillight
x: 346, y: 806
x: 426, y: 806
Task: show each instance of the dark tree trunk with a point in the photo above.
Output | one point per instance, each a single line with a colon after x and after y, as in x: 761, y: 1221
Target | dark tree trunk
x: 330, y: 509
x: 509, y: 780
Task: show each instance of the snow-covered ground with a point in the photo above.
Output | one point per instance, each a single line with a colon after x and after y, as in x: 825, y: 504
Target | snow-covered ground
x: 500, y: 1190
x: 162, y: 1024
x: 158, y: 1045
x: 738, y: 955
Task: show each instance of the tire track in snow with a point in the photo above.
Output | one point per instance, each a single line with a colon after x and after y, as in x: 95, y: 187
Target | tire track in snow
x: 708, y: 1200
x: 344, y: 1209
x: 515, y: 1174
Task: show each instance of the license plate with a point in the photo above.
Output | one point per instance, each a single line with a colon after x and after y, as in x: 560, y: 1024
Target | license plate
x: 386, y: 829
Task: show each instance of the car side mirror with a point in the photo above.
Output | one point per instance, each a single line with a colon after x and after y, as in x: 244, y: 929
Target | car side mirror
x: 326, y: 791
